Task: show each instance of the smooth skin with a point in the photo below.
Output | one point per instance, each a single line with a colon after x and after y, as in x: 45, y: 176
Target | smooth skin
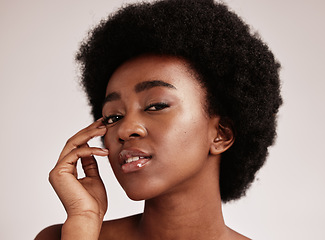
x: 179, y: 183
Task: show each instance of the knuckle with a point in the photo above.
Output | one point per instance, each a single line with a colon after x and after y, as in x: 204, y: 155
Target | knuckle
x: 70, y: 141
x: 52, y: 175
x: 77, y: 151
x: 56, y: 173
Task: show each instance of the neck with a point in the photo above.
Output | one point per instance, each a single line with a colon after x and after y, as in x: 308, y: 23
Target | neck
x: 190, y: 211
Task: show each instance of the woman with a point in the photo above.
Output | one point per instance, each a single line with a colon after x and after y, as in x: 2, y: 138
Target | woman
x: 186, y: 101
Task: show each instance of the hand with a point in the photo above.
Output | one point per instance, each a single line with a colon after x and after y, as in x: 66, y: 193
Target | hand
x: 84, y: 197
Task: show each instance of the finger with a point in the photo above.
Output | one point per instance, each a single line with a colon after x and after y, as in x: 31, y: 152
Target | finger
x: 89, y: 165
x: 68, y: 163
x: 95, y: 129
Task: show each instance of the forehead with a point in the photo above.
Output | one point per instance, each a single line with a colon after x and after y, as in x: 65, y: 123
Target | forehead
x: 171, y: 70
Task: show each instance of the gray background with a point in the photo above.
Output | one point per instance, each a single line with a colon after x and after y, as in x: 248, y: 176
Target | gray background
x: 42, y: 106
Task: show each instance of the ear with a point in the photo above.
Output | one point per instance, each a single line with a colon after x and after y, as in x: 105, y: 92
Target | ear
x: 223, y: 136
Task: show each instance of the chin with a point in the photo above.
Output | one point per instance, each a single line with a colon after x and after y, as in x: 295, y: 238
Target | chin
x: 136, y: 198
x: 139, y: 195
x: 142, y: 193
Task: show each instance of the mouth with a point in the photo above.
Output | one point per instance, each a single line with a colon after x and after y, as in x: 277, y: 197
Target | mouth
x: 132, y: 160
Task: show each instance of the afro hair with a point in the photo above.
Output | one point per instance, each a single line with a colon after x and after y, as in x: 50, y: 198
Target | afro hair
x: 236, y: 67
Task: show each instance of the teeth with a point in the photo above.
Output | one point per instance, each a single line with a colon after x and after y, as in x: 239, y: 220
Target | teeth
x: 132, y: 159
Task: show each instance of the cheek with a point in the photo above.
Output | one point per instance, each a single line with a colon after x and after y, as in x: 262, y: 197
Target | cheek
x: 184, y: 132
x: 183, y: 151
x: 110, y: 142
x: 107, y: 139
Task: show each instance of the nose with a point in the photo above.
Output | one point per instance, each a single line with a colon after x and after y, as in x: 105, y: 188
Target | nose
x: 131, y: 127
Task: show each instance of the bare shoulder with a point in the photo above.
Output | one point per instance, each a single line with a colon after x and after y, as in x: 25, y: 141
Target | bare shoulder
x: 50, y: 233
x: 122, y: 228
x: 119, y: 229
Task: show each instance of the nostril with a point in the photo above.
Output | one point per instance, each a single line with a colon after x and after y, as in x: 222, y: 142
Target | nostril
x: 135, y: 135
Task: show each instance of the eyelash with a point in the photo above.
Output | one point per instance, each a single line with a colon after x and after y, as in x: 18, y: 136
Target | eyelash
x: 111, y: 117
x: 114, y: 118
x: 160, y: 106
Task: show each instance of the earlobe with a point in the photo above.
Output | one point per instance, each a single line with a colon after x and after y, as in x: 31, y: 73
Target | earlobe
x: 224, y: 138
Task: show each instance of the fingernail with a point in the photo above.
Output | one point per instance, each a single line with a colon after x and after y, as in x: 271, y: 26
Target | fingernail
x: 102, y: 126
x: 99, y: 119
x: 104, y: 150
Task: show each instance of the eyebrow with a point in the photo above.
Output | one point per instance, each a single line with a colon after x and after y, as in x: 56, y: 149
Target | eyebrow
x: 151, y: 84
x: 140, y: 87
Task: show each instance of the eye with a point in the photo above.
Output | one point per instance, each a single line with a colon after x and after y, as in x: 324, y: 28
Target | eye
x: 111, y: 119
x: 156, y: 106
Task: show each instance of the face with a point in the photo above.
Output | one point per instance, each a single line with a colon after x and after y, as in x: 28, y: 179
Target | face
x: 158, y: 132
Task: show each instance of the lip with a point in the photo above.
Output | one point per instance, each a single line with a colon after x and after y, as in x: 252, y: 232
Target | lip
x: 132, y: 153
x: 132, y: 160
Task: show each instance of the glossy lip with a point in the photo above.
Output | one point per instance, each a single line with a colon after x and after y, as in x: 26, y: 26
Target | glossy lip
x: 129, y: 153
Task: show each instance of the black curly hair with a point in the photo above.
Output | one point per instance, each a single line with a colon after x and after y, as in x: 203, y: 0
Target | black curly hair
x: 238, y: 70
